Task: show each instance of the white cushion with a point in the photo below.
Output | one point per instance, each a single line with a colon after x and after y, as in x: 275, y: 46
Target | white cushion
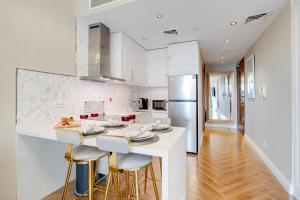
x: 132, y: 161
x: 83, y: 152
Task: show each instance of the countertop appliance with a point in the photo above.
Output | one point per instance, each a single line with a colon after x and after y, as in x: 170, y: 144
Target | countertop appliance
x: 99, y: 68
x: 143, y: 104
x: 183, y: 107
x: 159, y: 104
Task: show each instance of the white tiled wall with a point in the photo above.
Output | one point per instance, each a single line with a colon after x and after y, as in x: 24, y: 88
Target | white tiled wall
x: 155, y: 93
x: 38, y: 96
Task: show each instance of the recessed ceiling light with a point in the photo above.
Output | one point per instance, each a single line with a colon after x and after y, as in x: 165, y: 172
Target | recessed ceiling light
x: 233, y: 23
x: 222, y: 57
x: 227, y: 41
x: 159, y: 16
x: 222, y: 62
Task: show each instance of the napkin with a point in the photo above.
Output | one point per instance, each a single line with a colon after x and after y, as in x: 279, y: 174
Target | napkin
x: 91, y: 126
x: 149, y: 127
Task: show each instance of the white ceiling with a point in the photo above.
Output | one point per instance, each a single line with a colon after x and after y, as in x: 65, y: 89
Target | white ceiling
x: 207, y: 21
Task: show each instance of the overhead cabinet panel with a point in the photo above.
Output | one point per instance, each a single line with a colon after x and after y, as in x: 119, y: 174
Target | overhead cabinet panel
x: 128, y: 59
x: 157, y: 67
x: 184, y: 58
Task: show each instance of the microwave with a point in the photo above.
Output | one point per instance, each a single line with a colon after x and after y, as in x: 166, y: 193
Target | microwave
x: 159, y: 104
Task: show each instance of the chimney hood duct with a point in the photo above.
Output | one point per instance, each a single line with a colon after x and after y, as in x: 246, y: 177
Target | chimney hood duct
x: 99, y: 68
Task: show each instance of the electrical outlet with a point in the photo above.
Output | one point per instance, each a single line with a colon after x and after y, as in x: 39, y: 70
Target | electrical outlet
x: 265, y: 144
x: 60, y: 103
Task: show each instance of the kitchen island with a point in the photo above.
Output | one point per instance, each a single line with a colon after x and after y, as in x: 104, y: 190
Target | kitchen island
x: 171, y: 147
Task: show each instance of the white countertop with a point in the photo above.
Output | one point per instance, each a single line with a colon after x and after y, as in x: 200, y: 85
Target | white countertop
x: 45, y: 130
x: 151, y: 110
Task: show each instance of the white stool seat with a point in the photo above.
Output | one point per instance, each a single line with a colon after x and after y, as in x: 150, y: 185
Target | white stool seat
x: 85, y: 153
x: 132, y: 161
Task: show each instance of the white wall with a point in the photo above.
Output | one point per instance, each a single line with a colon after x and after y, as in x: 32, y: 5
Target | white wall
x: 268, y: 121
x: 295, y: 5
x: 220, y: 68
x: 33, y: 34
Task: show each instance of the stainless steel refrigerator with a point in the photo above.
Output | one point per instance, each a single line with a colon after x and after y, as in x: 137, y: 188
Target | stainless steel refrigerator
x: 183, y: 107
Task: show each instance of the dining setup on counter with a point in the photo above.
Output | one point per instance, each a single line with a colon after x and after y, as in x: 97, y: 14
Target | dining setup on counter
x: 123, y: 147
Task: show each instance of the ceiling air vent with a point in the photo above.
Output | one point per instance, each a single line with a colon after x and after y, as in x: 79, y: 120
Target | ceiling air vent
x: 171, y: 32
x: 98, y: 3
x: 257, y: 18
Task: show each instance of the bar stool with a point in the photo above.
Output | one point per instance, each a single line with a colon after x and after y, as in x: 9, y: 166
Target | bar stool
x: 79, y: 154
x: 122, y: 161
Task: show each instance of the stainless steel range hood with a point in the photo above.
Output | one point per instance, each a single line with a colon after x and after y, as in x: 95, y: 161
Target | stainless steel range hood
x: 99, y: 68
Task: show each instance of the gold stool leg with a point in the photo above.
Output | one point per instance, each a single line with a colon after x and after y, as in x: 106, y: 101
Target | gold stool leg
x: 127, y: 185
x: 160, y: 164
x: 67, y: 180
x: 136, y: 185
x: 154, y: 181
x: 146, y: 178
x: 107, y: 186
x: 96, y: 170
x: 91, y: 179
x: 115, y: 183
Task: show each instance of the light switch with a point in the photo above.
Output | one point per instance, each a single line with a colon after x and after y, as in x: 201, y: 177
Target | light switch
x: 263, y: 91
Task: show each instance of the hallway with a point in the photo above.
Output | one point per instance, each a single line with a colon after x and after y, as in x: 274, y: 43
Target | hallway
x: 227, y: 168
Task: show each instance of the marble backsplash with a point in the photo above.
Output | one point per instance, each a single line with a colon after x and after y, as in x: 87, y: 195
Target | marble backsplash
x: 43, y: 96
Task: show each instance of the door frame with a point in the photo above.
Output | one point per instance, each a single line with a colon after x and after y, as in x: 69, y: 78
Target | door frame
x: 208, y: 94
x: 295, y: 98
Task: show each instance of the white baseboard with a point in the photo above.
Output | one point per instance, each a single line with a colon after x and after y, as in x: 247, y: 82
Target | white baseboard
x: 295, y: 192
x: 231, y: 126
x: 276, y: 172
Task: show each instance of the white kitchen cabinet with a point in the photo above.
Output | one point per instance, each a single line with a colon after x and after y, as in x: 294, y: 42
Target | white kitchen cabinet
x: 184, y: 58
x: 140, y: 67
x: 127, y: 59
x: 116, y: 51
x: 157, y: 67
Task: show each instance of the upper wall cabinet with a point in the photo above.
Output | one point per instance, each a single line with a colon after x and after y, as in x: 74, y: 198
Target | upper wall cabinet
x: 157, y: 67
x: 127, y: 59
x: 184, y: 58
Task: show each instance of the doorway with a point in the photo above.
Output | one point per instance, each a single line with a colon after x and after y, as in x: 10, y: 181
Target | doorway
x: 241, y: 96
x: 220, y: 89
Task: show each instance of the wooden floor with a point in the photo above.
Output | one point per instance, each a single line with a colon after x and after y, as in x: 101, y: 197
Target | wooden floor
x: 225, y: 169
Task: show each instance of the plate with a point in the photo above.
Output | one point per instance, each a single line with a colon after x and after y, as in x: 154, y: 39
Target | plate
x: 145, y: 136
x: 113, y: 123
x: 161, y: 127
